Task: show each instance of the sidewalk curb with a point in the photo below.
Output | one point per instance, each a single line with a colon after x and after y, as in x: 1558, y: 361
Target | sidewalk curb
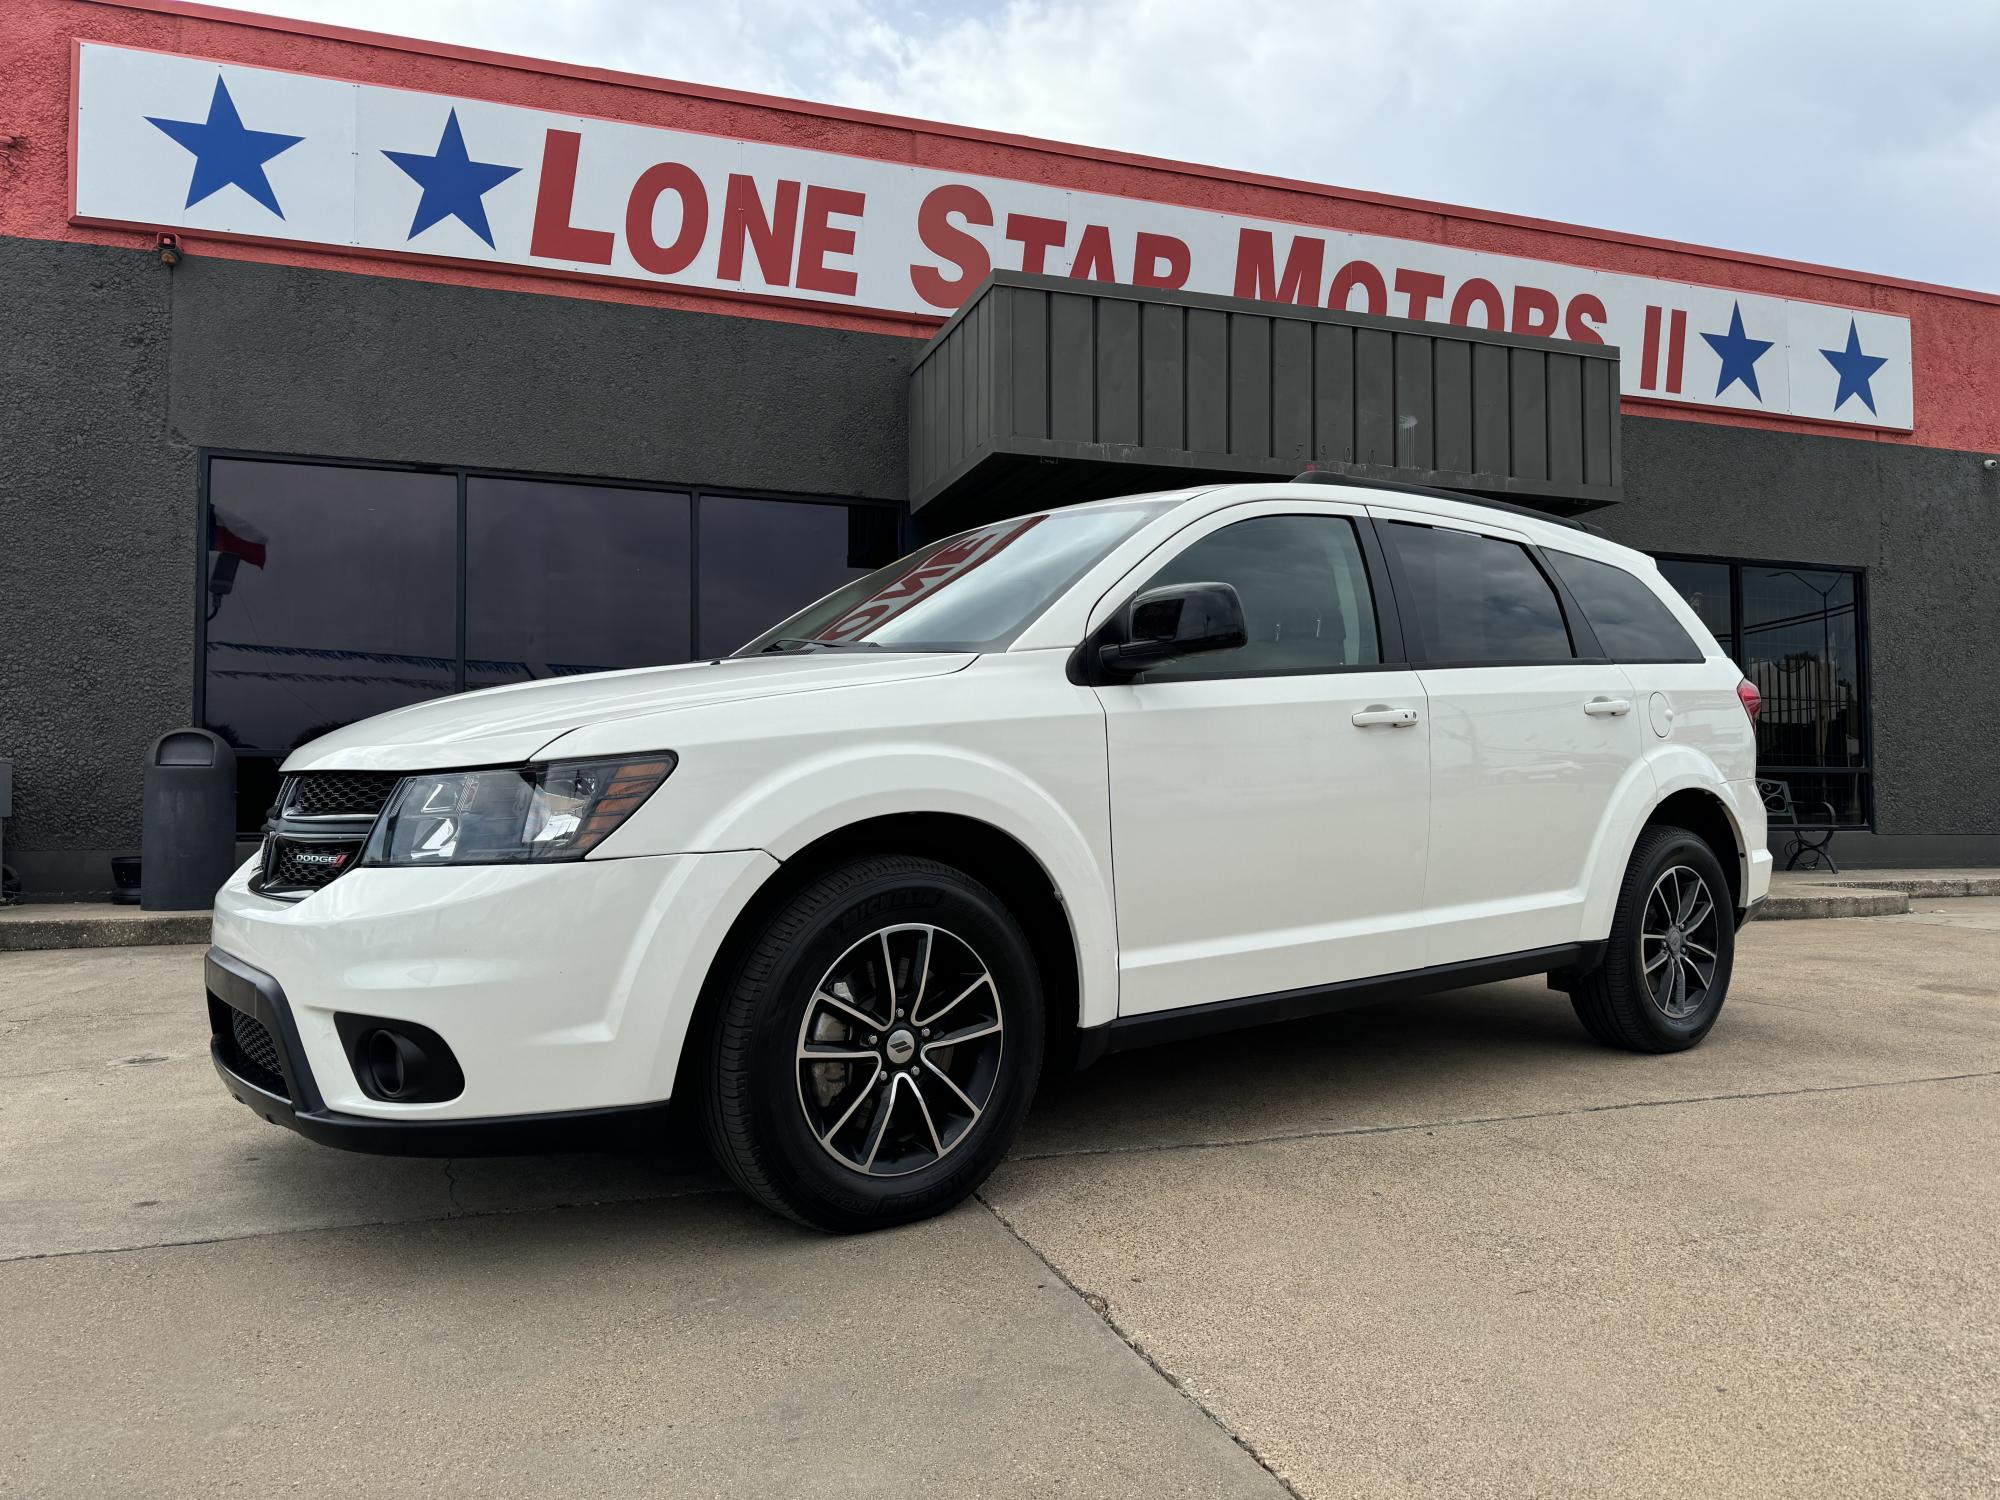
x: 1797, y: 905
x: 1931, y: 887
x: 26, y: 929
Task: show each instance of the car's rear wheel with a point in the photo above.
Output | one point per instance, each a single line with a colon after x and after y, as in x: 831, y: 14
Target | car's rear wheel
x: 1666, y: 968
x: 877, y: 1047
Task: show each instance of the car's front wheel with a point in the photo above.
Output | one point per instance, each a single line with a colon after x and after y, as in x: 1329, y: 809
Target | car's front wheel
x: 1665, y: 971
x: 877, y: 1047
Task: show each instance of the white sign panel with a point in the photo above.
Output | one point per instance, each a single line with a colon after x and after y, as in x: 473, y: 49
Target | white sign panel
x: 179, y: 143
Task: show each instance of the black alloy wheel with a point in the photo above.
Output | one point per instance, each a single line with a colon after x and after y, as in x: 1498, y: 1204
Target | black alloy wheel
x: 876, y: 1047
x: 894, y: 1076
x: 1678, y: 941
x: 1666, y: 967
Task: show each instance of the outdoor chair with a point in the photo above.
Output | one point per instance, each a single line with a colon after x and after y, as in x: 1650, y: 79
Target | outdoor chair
x: 1809, y: 842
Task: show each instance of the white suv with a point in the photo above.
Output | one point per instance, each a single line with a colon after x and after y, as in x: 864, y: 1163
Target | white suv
x: 1061, y: 785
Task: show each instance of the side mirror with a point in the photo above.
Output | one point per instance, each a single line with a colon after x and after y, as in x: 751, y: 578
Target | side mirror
x: 1180, y: 619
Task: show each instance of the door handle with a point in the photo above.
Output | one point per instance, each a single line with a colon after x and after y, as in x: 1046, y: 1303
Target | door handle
x: 1608, y: 708
x: 1381, y: 713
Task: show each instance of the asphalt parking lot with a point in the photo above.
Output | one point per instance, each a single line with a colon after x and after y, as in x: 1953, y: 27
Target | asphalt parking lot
x: 1442, y: 1247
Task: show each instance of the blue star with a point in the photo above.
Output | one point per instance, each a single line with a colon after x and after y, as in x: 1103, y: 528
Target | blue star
x: 455, y: 186
x: 1855, y: 368
x: 1739, y: 355
x: 224, y: 152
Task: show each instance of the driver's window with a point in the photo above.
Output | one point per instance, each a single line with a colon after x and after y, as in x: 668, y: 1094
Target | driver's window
x: 1305, y: 596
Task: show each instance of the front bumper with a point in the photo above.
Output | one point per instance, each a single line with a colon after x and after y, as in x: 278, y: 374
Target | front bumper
x: 560, y: 990
x: 291, y: 1096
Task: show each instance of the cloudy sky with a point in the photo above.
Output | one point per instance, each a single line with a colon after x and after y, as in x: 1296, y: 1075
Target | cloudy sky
x: 1855, y: 134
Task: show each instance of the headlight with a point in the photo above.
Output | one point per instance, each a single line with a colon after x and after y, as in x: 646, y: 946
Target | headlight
x: 523, y: 815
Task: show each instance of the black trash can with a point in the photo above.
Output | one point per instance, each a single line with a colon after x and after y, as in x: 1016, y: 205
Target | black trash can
x: 188, y: 832
x: 125, y: 880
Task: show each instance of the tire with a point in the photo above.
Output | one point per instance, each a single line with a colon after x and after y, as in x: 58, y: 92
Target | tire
x: 904, y: 1122
x: 1672, y: 1004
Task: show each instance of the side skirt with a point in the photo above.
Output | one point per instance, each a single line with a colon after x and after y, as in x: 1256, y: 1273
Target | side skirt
x: 1128, y: 1032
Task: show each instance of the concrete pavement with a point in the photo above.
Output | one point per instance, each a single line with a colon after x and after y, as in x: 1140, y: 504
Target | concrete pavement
x: 1446, y: 1247
x: 696, y: 1348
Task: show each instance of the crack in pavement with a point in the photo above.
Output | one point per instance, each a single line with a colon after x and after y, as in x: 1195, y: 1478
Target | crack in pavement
x: 440, y: 1218
x: 457, y: 1210
x: 1101, y: 1306
x: 1334, y: 1132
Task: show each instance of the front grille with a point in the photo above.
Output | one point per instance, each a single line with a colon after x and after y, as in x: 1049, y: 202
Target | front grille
x: 298, y: 865
x: 254, y: 1054
x: 338, y: 794
x: 322, y: 824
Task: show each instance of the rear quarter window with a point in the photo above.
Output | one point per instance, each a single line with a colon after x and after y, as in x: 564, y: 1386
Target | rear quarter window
x: 1631, y: 621
x: 1477, y: 600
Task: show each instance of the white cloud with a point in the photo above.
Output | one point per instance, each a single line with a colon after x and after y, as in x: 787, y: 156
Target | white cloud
x: 1848, y: 133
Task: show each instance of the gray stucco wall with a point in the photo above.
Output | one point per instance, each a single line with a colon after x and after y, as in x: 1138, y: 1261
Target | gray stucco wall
x: 1925, y: 523
x: 117, y: 370
x: 352, y: 366
x: 96, y: 552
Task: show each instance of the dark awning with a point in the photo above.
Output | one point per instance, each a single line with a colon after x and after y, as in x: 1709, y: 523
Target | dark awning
x: 1042, y: 390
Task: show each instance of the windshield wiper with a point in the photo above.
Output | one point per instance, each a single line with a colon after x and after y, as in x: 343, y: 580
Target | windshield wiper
x: 795, y: 643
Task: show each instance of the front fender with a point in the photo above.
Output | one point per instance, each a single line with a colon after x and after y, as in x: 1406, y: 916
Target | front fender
x: 806, y: 801
x: 1009, y: 742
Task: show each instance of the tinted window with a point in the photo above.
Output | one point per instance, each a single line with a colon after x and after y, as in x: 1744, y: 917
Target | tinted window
x: 1477, y: 598
x: 569, y: 578
x: 972, y: 592
x: 332, y: 595
x: 763, y: 559
x: 1630, y: 621
x: 1304, y: 590
x: 1801, y: 646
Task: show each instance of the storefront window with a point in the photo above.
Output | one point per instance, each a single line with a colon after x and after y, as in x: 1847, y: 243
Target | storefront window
x: 335, y: 592
x: 762, y: 560
x: 1796, y: 633
x: 569, y: 578
x: 331, y: 594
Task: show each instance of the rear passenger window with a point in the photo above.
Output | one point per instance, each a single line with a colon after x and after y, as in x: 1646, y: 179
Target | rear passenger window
x: 1478, y: 600
x: 1631, y: 622
x: 1304, y: 590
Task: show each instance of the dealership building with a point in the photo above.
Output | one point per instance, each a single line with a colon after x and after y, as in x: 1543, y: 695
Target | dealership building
x: 343, y: 371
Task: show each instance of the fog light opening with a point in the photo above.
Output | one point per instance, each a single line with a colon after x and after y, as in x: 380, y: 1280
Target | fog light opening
x: 398, y: 1061
x: 396, y: 1065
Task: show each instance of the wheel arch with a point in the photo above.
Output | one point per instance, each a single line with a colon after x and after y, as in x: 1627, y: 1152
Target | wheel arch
x: 989, y: 854
x: 1706, y: 814
x: 1683, y: 789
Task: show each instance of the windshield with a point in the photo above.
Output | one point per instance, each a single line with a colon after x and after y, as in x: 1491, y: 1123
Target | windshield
x: 971, y: 592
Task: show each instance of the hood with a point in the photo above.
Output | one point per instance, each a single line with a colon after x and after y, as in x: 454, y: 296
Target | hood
x: 507, y: 725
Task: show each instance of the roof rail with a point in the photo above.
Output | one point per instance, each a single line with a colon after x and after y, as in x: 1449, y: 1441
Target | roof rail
x: 1324, y: 476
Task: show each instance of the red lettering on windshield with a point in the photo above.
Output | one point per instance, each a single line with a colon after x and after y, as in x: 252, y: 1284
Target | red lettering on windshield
x: 937, y: 570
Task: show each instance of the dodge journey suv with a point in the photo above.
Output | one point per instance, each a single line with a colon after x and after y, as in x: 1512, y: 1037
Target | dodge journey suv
x: 1062, y: 785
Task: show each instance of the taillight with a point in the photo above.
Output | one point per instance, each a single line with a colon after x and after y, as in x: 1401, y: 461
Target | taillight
x: 1750, y: 698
